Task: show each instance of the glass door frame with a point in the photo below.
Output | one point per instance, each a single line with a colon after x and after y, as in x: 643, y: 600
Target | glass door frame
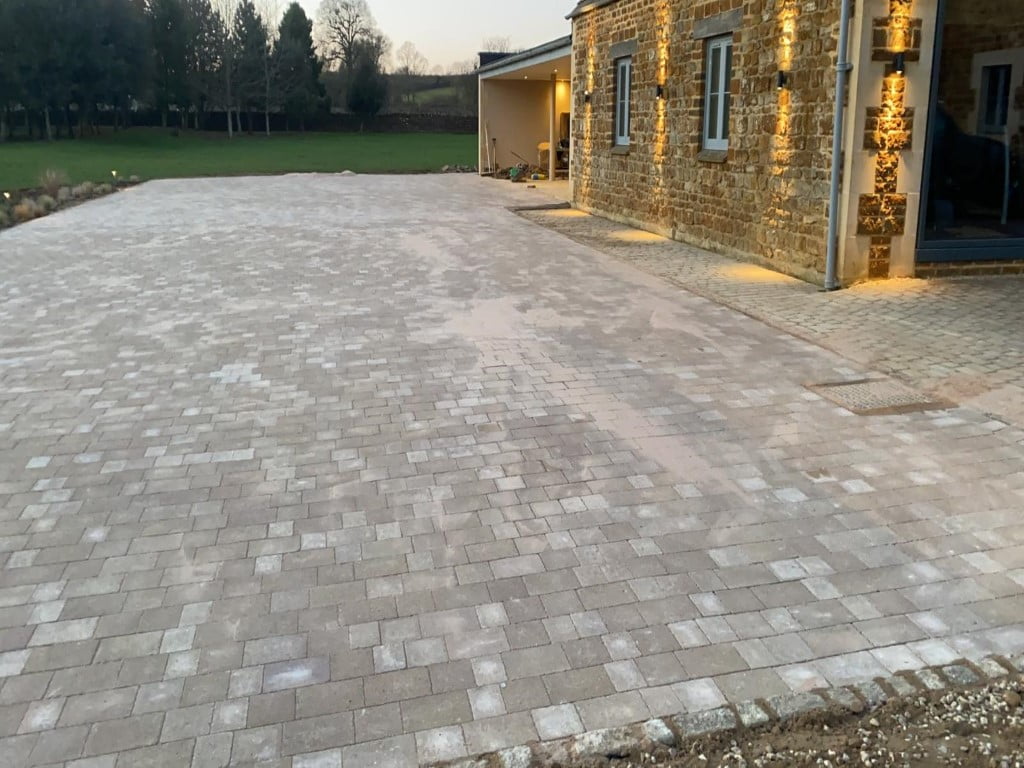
x: 1003, y: 249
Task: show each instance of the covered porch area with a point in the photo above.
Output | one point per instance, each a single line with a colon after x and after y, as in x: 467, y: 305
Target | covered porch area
x: 525, y: 110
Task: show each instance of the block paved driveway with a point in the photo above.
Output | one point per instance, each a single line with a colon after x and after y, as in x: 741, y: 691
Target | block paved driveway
x: 367, y: 471
x: 959, y: 339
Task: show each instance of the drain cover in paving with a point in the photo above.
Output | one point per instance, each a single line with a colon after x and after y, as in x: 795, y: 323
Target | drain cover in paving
x: 876, y: 396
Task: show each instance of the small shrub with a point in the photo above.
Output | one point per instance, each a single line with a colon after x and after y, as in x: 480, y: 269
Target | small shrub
x: 46, y: 203
x: 51, y: 180
x: 133, y: 179
x: 26, y: 210
x: 104, y: 189
x: 85, y: 189
x: 5, y: 219
x: 63, y: 194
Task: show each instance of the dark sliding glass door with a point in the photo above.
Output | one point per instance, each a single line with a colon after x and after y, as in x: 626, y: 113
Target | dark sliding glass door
x: 973, y: 196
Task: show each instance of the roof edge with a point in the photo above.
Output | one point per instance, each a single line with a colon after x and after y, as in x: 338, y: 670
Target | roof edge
x: 521, y: 56
x: 585, y: 6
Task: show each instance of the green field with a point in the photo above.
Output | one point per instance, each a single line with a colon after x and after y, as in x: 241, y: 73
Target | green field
x: 432, y: 95
x: 155, y: 154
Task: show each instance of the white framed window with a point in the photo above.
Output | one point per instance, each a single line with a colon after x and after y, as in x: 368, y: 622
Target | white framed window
x: 623, y: 85
x: 717, y: 76
x: 995, y: 98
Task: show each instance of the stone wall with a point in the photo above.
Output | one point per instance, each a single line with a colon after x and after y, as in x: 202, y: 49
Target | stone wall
x: 765, y: 199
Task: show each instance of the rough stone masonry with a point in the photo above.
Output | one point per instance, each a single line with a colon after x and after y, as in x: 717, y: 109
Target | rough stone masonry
x: 765, y: 198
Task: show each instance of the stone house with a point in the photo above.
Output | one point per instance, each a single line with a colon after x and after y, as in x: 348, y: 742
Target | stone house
x: 713, y: 122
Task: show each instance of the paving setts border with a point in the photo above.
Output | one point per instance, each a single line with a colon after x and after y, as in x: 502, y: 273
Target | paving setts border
x: 675, y: 730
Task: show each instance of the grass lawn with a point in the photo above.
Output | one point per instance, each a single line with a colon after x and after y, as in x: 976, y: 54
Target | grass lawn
x: 155, y: 154
x: 429, y: 96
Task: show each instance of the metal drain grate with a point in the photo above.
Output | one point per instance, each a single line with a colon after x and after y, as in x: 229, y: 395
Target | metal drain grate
x: 876, y: 396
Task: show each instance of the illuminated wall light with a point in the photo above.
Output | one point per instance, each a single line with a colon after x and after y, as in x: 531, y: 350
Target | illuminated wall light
x: 782, y: 181
x: 663, y: 20
x: 890, y: 138
x: 661, y: 207
x: 583, y: 154
x: 899, y: 62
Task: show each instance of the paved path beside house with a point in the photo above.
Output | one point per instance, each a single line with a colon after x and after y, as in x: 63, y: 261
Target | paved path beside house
x: 369, y: 471
x: 959, y: 339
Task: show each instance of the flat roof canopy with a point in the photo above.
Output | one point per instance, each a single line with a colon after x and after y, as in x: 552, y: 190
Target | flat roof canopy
x: 537, y: 63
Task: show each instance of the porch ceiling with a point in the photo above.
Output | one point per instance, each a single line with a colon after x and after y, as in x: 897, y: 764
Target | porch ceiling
x: 559, y: 67
x: 559, y: 64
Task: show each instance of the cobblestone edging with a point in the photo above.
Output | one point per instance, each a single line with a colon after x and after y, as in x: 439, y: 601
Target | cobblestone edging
x: 674, y: 730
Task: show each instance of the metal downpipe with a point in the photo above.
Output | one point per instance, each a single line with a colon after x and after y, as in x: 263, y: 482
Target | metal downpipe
x: 843, y: 68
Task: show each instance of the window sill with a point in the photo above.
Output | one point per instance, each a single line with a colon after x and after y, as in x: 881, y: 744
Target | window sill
x: 620, y: 149
x: 713, y: 155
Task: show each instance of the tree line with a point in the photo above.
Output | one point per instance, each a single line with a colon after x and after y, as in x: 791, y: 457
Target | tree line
x: 64, y: 63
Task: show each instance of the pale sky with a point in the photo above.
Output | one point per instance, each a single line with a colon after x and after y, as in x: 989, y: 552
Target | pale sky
x: 446, y: 31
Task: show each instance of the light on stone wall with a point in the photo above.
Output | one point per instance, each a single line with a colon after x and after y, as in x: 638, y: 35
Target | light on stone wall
x: 787, y: 16
x: 782, y: 181
x: 900, y: 25
x: 659, y: 195
x: 891, y: 124
x: 585, y: 38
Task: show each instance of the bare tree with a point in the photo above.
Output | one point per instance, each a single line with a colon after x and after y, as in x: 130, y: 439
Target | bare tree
x: 270, y: 12
x: 376, y: 46
x: 464, y: 67
x: 497, y: 44
x: 342, y: 24
x: 410, y: 60
x: 226, y: 10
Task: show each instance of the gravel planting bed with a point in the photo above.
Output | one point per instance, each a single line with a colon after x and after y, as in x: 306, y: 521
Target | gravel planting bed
x: 962, y: 714
x: 981, y: 727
